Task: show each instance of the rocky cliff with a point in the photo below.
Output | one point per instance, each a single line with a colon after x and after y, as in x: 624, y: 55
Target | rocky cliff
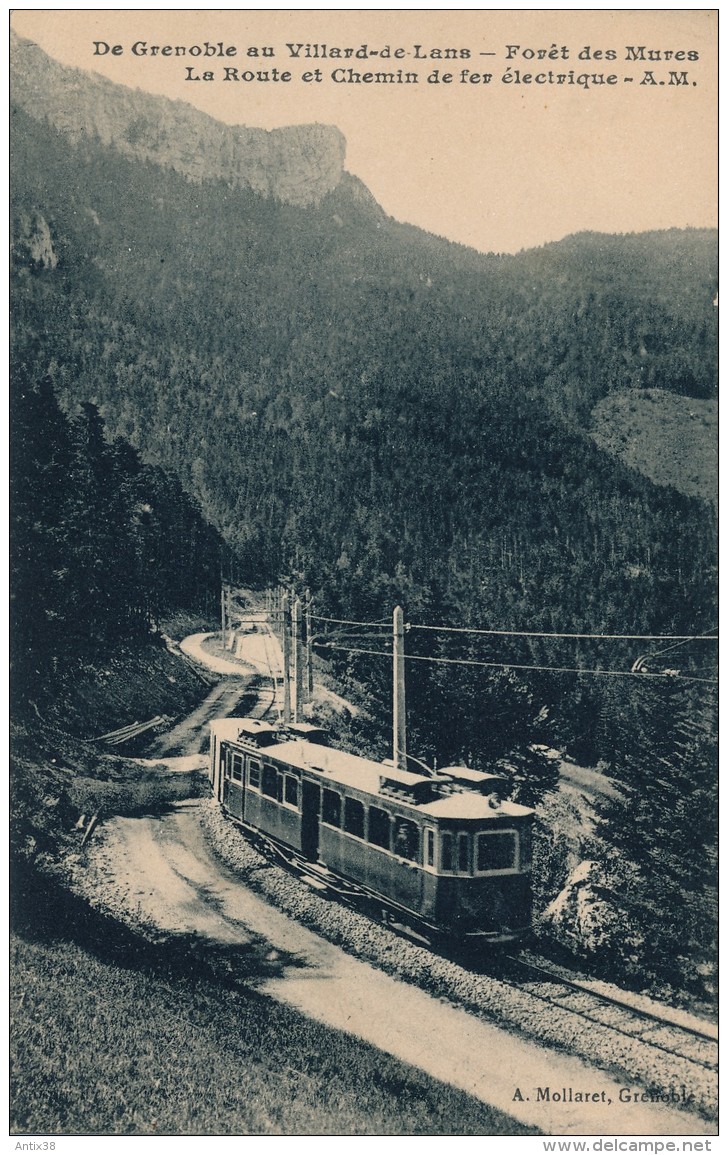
x: 297, y: 165
x: 32, y: 244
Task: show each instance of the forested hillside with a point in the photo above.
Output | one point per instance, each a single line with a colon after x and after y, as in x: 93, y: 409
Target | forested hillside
x: 383, y: 417
x: 103, y: 545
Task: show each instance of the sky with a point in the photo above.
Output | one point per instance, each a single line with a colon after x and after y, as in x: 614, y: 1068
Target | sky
x: 498, y: 165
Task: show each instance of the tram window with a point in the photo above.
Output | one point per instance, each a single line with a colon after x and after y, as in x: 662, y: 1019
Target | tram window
x: 254, y: 774
x: 236, y: 771
x: 446, y: 860
x: 463, y: 854
x: 290, y: 792
x: 270, y: 782
x: 430, y: 847
x: 406, y: 839
x: 379, y: 827
x: 496, y: 850
x: 331, y: 808
x: 354, y: 817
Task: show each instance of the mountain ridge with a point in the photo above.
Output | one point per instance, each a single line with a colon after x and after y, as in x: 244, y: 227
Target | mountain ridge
x: 297, y: 165
x: 336, y: 326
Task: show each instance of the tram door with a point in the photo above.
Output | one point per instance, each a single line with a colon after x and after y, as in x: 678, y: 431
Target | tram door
x: 310, y: 810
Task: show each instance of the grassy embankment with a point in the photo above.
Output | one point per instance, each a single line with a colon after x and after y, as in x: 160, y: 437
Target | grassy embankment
x: 114, y: 1034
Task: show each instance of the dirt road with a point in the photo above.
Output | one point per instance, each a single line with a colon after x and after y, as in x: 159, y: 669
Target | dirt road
x: 256, y: 648
x: 232, y: 696
x: 190, y: 736
x: 247, y: 688
x: 162, y: 871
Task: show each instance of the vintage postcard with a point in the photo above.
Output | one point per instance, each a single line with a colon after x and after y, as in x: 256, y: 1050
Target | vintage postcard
x: 363, y: 560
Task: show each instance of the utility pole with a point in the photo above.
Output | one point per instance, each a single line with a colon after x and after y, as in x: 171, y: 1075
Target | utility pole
x: 222, y: 612
x: 274, y: 607
x: 308, y: 677
x: 286, y: 612
x: 399, y: 727
x: 297, y: 662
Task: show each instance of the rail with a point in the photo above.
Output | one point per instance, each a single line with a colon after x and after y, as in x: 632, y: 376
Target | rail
x: 633, y: 1015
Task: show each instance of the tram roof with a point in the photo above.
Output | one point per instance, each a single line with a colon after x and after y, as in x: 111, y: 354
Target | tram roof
x: 469, y: 805
x: 341, y: 768
x: 465, y: 774
x: 224, y: 728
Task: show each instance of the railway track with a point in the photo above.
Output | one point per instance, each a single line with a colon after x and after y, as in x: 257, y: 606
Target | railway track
x: 263, y: 689
x: 531, y: 975
x: 694, y: 1043
x: 538, y: 979
x: 261, y: 698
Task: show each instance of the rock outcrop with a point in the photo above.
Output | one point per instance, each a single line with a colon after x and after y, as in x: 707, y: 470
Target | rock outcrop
x: 587, y: 918
x: 32, y: 243
x: 297, y: 165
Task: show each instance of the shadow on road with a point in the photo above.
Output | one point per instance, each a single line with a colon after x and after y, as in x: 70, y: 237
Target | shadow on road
x: 42, y: 910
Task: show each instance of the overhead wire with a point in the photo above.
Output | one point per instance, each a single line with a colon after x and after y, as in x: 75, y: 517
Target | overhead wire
x: 679, y: 638
x: 350, y: 622
x: 518, y: 666
x: 355, y: 635
x: 539, y: 634
x: 699, y: 637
